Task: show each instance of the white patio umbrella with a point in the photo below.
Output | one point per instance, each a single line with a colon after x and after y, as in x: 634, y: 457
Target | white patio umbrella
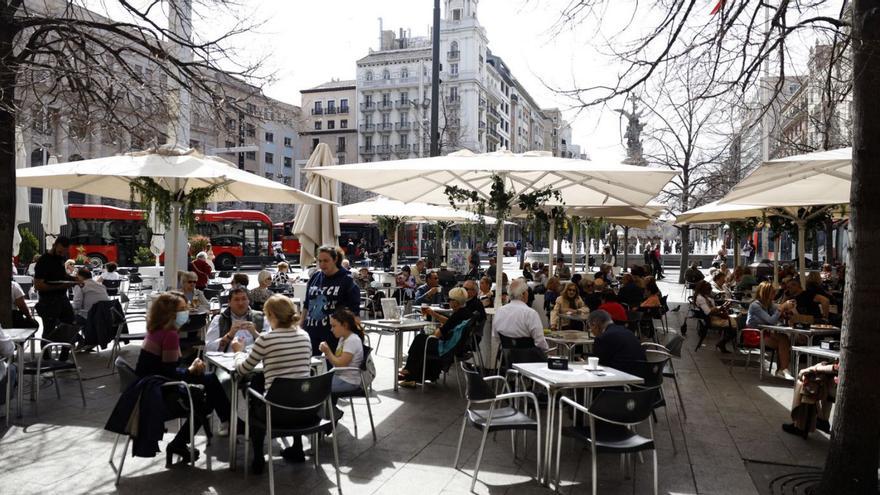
x: 22, y: 208
x: 380, y: 206
x: 579, y: 182
x: 318, y: 224
x: 157, y: 237
x: 821, y: 178
x: 53, y: 216
x: 627, y: 216
x: 176, y: 169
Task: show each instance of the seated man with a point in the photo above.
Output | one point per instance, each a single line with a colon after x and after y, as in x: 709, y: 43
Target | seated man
x: 430, y: 292
x: 7, y: 349
x: 237, y: 320
x: 562, y: 271
x: 615, y: 346
x: 521, y: 323
x: 87, y: 293
x: 693, y: 274
x: 809, y: 302
x: 21, y: 314
x: 611, y: 306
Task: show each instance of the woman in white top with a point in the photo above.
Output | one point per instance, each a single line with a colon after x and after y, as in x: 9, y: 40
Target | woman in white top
x: 719, y: 317
x: 349, y: 351
x: 110, y: 273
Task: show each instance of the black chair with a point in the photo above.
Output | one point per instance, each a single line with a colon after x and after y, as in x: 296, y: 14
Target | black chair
x: 65, y: 335
x: 502, y: 414
x: 302, y: 395
x: 112, y: 286
x: 672, y: 346
x: 135, y: 283
x: 364, y: 391
x: 127, y: 377
x: 517, y: 350
x: 123, y: 334
x: 224, y: 274
x: 459, y: 354
x: 613, y: 415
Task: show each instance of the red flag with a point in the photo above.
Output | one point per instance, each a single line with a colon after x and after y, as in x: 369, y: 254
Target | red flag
x: 717, y: 7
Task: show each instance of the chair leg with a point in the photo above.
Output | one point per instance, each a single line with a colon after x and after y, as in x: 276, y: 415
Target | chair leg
x: 269, y: 447
x: 655, y: 471
x: 353, y: 417
x: 122, y: 461
x: 79, y: 377
x: 594, y: 473
x: 336, y: 458
x: 370, y: 413
x: 57, y: 386
x: 460, y: 438
x: 480, y: 453
x: 513, y: 442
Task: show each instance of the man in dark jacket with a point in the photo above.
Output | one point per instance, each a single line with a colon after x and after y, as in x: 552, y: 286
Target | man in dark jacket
x: 615, y: 346
x: 630, y: 293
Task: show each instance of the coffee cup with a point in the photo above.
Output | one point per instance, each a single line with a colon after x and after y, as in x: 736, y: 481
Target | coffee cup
x: 592, y: 363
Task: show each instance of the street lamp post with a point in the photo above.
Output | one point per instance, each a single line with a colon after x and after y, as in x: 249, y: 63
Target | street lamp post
x: 435, y: 81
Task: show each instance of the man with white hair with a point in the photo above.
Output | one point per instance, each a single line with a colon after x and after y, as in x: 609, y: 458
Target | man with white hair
x: 518, y: 321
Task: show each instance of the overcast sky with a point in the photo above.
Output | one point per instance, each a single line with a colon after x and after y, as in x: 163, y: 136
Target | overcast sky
x: 310, y: 42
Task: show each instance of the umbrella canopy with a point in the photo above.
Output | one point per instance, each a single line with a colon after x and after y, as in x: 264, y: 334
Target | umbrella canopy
x: 53, y: 216
x: 174, y: 168
x: 22, y: 212
x: 628, y: 216
x: 715, y: 212
x: 820, y: 178
x: 316, y: 225
x: 366, y: 211
x: 580, y: 182
x: 177, y: 170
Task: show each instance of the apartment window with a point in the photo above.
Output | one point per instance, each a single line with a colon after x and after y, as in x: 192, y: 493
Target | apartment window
x: 456, y: 14
x: 331, y: 124
x: 288, y: 143
x: 343, y: 103
x: 404, y: 139
x: 386, y: 141
x: 331, y: 106
x: 317, y: 125
x: 251, y: 109
x: 230, y: 124
x: 453, y: 68
x: 288, y: 161
x: 369, y: 75
x: 318, y: 110
x: 368, y: 100
x: 250, y: 130
x: 404, y: 97
x: 404, y: 73
x: 368, y: 119
x: 386, y: 98
x: 340, y: 144
x: 270, y: 137
x: 270, y: 158
x: 386, y: 118
x: 229, y: 144
x: 368, y: 141
x: 251, y: 155
x: 343, y: 124
x: 314, y: 143
x: 453, y: 93
x: 386, y: 74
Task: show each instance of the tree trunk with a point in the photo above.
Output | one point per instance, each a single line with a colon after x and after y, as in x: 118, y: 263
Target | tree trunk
x: 851, y: 465
x: 736, y: 260
x: 625, y: 248
x: 685, y: 250
x: 7, y: 166
x: 829, y: 241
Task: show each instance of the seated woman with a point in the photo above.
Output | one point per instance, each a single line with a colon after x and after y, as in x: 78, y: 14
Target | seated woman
x: 762, y: 311
x: 592, y: 297
x: 285, y: 353
x: 240, y: 280
x: 814, y: 392
x: 487, y: 299
x: 527, y: 271
x: 110, y: 273
x: 349, y: 352
x: 742, y: 279
x: 160, y: 355
x: 195, y: 299
x: 605, y: 273
x: 552, y: 292
x: 282, y: 276
x: 259, y: 295
x: 653, y: 292
x: 569, y: 302
x: 718, y: 315
x: 448, y: 340
x: 720, y: 289
x: 406, y: 285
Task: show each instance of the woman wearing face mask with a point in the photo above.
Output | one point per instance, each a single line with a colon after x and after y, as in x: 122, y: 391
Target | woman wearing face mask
x: 160, y: 355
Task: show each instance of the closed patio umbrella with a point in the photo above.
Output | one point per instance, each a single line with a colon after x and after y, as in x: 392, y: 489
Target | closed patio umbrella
x: 22, y: 209
x: 318, y: 224
x: 175, y: 169
x: 579, y: 182
x: 53, y: 216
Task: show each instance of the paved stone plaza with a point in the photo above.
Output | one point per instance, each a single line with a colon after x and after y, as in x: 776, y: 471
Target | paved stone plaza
x: 730, y: 443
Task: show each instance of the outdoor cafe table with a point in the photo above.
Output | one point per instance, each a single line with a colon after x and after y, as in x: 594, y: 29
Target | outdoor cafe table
x: 19, y: 337
x: 398, y: 328
x: 226, y: 362
x: 813, y: 350
x: 793, y: 332
x: 570, y: 339
x: 576, y: 377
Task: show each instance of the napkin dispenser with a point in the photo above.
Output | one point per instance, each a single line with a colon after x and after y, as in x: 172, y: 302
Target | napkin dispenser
x: 830, y: 345
x: 801, y: 325
x: 557, y: 363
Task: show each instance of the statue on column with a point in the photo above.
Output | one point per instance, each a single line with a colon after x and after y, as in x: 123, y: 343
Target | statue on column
x: 633, y: 135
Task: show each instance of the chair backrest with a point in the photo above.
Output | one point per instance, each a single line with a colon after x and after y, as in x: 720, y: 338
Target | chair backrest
x: 111, y: 284
x: 126, y: 373
x: 477, y: 388
x: 623, y: 407
x: 673, y: 344
x: 651, y: 369
x: 306, y: 394
x: 224, y: 274
x: 134, y: 278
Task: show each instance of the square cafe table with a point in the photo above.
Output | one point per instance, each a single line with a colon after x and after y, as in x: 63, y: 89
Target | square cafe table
x: 398, y: 328
x: 814, y: 350
x: 226, y: 362
x: 19, y: 337
x: 576, y: 377
x: 793, y: 332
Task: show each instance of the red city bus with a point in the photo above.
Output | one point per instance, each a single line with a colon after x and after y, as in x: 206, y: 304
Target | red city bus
x: 282, y: 236
x: 107, y: 233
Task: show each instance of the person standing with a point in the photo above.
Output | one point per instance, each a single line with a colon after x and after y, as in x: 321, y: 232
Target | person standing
x: 657, y: 261
x: 748, y: 252
x: 51, y: 280
x: 387, y: 254
x: 329, y: 288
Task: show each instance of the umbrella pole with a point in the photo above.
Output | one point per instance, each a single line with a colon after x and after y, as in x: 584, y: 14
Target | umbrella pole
x: 776, y: 260
x: 587, y: 245
x: 419, y: 248
x: 574, y: 243
x: 552, y: 238
x: 625, y: 248
x: 802, y: 268
x: 173, y: 252
x: 499, y: 266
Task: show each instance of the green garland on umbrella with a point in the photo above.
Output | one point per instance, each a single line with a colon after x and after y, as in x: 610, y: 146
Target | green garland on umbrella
x: 388, y: 225
x: 743, y: 227
x: 154, y: 197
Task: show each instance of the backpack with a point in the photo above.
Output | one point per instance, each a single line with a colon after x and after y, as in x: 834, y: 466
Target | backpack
x: 369, y: 365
